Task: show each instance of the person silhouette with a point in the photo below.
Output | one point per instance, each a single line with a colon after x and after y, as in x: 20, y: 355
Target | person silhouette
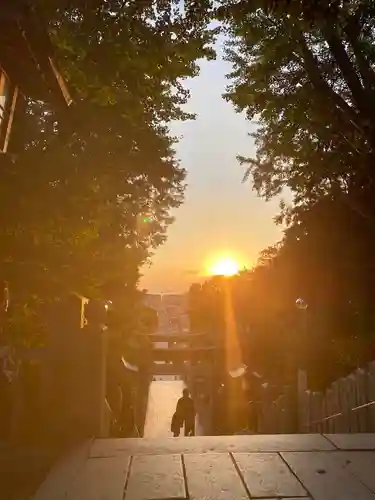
x: 185, y: 412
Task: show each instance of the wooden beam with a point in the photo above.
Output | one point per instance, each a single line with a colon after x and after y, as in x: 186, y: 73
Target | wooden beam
x: 10, y: 120
x: 181, y: 355
x: 61, y: 82
x: 175, y: 337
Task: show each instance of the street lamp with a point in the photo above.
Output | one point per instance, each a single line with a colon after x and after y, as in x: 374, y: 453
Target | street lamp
x: 302, y: 306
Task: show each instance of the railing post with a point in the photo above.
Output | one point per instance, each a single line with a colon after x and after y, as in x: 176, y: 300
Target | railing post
x: 336, y: 424
x: 343, y: 405
x: 329, y: 410
x: 303, y: 408
x: 301, y: 391
x: 98, y: 383
x: 371, y: 395
x: 309, y: 411
x: 362, y: 399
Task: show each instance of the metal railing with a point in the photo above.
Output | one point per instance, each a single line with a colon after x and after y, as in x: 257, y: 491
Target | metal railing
x: 340, y: 414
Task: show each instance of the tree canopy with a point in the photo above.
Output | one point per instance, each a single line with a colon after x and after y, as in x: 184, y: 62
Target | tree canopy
x: 308, y: 80
x: 81, y: 211
x: 304, y: 71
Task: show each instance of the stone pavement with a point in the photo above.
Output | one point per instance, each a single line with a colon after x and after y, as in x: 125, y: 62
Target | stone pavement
x: 319, y: 467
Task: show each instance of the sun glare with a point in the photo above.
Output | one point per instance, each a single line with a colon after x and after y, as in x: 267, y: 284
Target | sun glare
x: 225, y: 266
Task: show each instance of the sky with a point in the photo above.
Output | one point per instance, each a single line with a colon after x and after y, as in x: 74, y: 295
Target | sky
x: 220, y: 215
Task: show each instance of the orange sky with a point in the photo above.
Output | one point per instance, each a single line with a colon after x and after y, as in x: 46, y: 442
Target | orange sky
x: 220, y: 214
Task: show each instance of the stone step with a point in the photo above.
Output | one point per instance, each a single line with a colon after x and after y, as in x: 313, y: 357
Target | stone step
x: 319, y: 467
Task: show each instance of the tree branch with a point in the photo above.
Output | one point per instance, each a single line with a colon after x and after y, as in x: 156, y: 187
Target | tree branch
x: 322, y: 86
x: 352, y: 31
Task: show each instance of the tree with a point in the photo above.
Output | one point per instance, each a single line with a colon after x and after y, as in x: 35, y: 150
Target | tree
x: 87, y: 209
x: 149, y: 320
x: 305, y: 71
x: 308, y: 77
x: 325, y: 260
x: 206, y: 306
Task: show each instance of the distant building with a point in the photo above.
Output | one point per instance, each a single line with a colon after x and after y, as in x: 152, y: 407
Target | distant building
x: 171, y: 310
x: 152, y: 300
x: 176, y: 300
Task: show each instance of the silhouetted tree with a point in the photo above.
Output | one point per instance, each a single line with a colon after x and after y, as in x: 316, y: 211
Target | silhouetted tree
x: 304, y: 70
x: 326, y: 259
x: 308, y: 80
x: 82, y: 212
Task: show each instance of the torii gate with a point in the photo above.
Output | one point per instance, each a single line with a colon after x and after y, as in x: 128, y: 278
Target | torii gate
x: 179, y: 354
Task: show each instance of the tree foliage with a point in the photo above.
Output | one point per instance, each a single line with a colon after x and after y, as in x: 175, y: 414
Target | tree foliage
x: 82, y: 210
x: 304, y: 71
x: 327, y: 261
x: 307, y: 76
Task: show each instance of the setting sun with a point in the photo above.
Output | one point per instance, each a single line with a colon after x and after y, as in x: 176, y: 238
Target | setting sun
x: 225, y: 266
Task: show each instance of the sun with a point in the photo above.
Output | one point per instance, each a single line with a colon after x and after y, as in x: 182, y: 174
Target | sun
x: 224, y: 266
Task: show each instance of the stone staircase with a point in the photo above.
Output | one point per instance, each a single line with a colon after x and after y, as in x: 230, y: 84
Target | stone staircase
x: 320, y: 467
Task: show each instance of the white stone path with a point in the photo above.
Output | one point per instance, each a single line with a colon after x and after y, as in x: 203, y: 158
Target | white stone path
x: 162, y: 400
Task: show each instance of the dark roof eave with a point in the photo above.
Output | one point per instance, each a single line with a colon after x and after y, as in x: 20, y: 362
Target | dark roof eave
x: 26, y: 53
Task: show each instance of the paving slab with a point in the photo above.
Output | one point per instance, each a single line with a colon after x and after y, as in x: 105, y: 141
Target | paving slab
x: 213, y: 476
x: 359, y: 463
x: 360, y: 441
x: 216, y: 468
x: 100, y: 479
x: 211, y: 444
x: 156, y: 477
x: 324, y: 478
x: 63, y: 474
x: 266, y: 475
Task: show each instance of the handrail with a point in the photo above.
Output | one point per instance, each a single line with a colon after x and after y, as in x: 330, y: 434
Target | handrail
x: 335, y: 415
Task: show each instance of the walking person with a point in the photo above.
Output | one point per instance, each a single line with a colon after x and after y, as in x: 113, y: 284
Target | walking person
x: 185, y: 411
